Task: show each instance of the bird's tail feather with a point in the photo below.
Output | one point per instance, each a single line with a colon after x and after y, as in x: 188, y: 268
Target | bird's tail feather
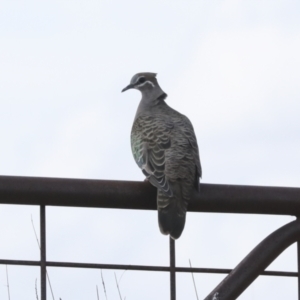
x: 171, y: 214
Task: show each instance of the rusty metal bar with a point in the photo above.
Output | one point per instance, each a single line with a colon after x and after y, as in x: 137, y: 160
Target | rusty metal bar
x: 43, y: 252
x: 128, y: 195
x: 255, y: 262
x: 172, y: 270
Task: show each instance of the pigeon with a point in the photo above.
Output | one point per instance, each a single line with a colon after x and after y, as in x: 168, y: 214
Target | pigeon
x: 164, y: 146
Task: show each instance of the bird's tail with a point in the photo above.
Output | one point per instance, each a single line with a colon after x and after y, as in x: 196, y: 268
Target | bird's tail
x: 171, y: 214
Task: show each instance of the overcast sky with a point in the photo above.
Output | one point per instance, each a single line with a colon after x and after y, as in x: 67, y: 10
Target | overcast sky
x: 233, y: 67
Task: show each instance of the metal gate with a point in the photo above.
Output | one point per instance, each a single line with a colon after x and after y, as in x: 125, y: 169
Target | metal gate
x: 127, y: 195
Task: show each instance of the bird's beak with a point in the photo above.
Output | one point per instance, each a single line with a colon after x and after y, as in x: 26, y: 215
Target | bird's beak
x: 128, y: 87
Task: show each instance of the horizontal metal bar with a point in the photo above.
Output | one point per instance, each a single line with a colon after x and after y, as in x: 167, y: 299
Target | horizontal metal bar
x: 20, y: 262
x: 135, y: 267
x: 107, y: 266
x: 227, y: 271
x: 141, y: 195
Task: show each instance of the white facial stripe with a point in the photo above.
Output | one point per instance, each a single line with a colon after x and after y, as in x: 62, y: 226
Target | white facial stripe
x: 149, y: 82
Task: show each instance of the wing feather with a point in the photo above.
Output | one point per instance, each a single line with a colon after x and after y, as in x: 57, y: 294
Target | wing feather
x: 150, y: 137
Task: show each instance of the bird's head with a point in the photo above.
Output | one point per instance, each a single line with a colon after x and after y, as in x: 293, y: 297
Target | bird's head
x: 146, y: 83
x: 142, y: 82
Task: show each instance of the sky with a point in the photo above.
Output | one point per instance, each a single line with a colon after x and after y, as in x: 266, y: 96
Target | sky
x: 232, y: 67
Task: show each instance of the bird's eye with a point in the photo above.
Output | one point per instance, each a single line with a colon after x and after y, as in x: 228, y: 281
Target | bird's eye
x: 141, y: 80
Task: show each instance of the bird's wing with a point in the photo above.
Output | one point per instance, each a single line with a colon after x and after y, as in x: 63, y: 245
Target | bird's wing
x: 190, y: 134
x: 150, y: 137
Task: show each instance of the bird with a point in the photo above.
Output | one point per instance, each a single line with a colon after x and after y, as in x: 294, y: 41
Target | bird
x: 164, y: 146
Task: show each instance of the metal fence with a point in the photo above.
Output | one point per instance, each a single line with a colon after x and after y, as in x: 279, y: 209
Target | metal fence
x: 127, y: 195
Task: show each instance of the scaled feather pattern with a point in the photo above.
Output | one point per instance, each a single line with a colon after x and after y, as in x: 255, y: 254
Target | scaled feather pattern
x: 165, y: 148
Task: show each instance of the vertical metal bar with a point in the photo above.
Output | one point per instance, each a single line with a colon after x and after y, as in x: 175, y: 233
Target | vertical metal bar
x: 298, y: 257
x: 298, y: 262
x: 172, y: 270
x: 43, y: 252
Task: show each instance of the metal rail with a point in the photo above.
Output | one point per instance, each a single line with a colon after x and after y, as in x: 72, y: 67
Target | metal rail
x: 172, y: 270
x: 255, y: 262
x: 43, y: 252
x: 134, y: 267
x: 127, y: 195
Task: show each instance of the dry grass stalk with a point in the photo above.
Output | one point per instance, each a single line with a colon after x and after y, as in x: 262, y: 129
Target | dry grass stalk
x: 194, y: 281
